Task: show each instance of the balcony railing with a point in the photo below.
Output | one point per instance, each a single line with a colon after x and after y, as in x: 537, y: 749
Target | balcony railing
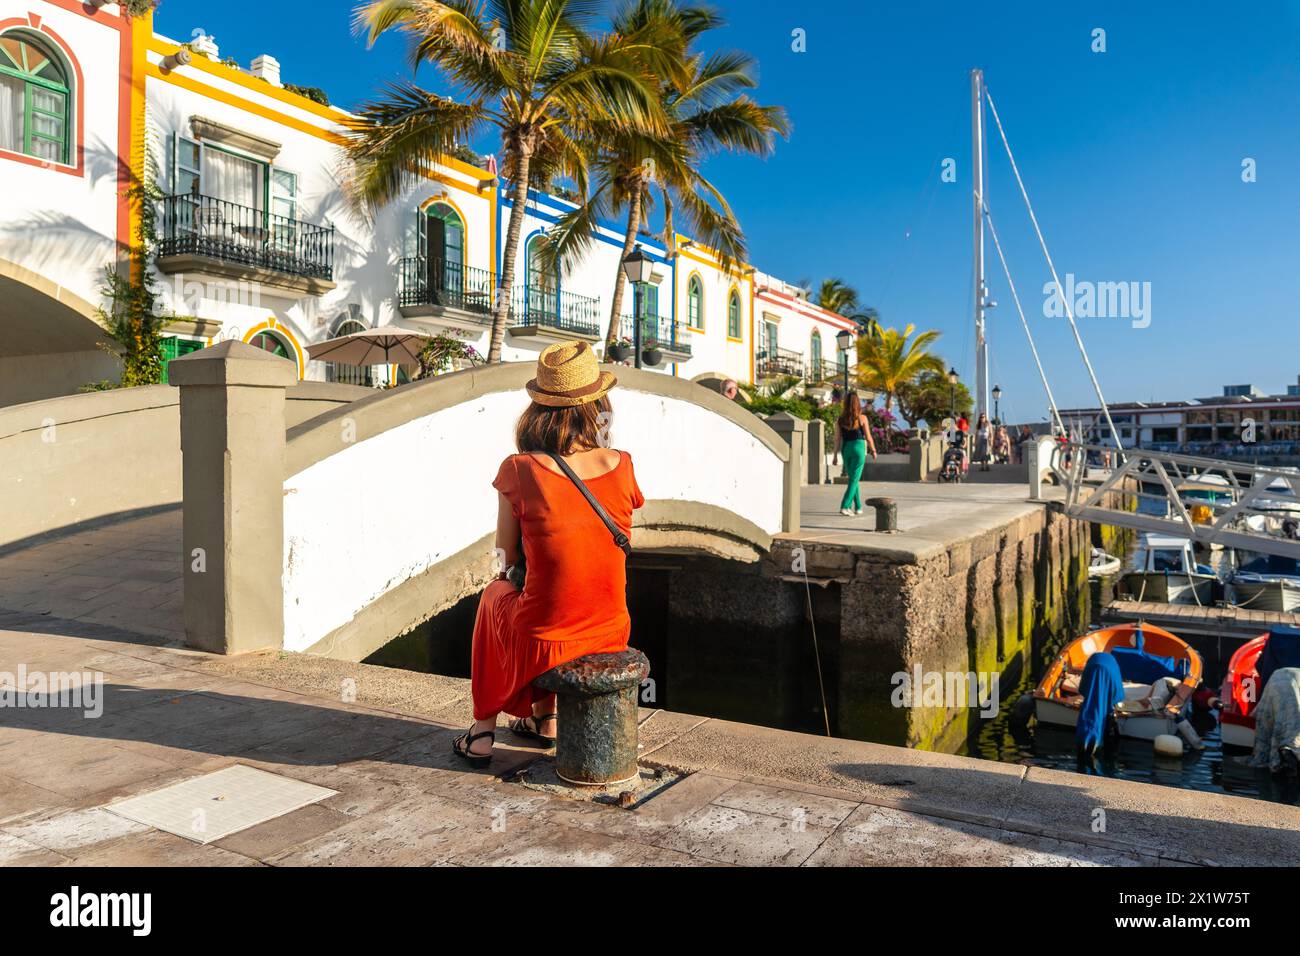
x: 429, y: 281
x: 546, y: 308
x: 670, y: 336
x: 824, y: 371
x: 770, y: 363
x: 204, y: 226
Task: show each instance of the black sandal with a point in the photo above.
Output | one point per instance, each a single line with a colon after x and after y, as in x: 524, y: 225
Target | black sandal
x: 521, y: 728
x: 475, y: 760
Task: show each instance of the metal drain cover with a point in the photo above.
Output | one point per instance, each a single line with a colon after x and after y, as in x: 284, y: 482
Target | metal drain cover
x: 218, y: 804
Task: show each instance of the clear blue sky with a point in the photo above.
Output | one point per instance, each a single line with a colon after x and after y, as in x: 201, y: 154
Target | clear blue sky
x: 1132, y: 156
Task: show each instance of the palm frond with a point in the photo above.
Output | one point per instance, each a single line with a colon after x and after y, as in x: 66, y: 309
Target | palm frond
x: 396, y: 138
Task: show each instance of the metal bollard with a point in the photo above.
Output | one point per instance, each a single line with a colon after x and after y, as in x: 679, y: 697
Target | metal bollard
x: 597, y: 742
x: 886, y: 513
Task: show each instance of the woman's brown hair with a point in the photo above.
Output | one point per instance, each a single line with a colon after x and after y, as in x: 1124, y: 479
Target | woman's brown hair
x: 564, y: 430
x: 852, y: 411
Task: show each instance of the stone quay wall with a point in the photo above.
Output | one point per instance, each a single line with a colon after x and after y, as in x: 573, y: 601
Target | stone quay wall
x: 982, y: 604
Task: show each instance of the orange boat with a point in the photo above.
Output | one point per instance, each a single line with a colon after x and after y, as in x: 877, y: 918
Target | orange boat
x: 1240, y: 692
x: 1057, y: 699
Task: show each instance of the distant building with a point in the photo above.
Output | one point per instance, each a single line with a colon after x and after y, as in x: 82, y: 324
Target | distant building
x: 1244, y: 421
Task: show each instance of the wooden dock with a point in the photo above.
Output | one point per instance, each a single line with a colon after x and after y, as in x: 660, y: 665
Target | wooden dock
x: 1192, y: 619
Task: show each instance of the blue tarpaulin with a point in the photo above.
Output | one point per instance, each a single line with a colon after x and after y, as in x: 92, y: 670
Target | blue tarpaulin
x: 1140, y: 667
x: 1102, y: 688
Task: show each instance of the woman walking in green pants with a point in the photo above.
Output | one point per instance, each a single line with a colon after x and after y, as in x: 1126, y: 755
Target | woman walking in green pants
x: 853, y: 440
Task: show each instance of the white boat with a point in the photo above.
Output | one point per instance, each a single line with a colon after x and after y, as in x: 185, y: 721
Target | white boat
x: 1165, y: 571
x: 1103, y: 564
x: 1267, y: 582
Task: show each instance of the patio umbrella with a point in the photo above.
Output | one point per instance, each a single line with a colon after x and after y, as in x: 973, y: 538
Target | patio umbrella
x: 383, y: 346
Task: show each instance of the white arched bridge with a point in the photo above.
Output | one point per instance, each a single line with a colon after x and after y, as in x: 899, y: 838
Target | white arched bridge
x: 363, y: 522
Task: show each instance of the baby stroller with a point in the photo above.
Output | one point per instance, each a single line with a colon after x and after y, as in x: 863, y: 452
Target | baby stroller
x: 954, y: 463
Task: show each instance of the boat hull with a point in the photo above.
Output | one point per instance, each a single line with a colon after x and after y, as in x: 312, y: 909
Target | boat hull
x: 1267, y: 595
x: 1238, y: 734
x: 1164, y: 588
x: 1137, y: 727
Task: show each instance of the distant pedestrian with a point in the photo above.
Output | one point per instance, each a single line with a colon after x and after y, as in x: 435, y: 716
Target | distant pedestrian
x: 983, y: 442
x: 853, y: 436
x: 1002, y: 445
x: 730, y: 389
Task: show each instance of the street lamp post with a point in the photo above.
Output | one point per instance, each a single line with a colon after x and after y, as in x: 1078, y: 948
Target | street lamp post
x: 844, y: 339
x: 638, y: 268
x: 997, y: 407
x: 952, y: 392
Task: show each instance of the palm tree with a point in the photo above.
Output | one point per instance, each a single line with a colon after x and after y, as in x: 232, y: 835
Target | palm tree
x: 839, y: 297
x: 706, y: 112
x: 529, y: 68
x: 891, y: 360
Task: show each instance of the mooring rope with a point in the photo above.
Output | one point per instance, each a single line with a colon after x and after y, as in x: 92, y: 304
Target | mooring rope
x: 817, y: 655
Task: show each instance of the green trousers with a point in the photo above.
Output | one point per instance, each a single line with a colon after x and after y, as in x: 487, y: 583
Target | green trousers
x: 855, y: 458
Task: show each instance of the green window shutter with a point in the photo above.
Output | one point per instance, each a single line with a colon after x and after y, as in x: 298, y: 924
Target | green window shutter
x: 174, y: 347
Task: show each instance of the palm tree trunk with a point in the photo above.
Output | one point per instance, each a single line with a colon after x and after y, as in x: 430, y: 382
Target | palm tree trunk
x: 629, y: 243
x: 505, y: 287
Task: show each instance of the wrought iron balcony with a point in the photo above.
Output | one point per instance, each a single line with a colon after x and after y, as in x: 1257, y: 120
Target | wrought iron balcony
x: 427, y: 283
x: 667, y: 335
x: 771, y: 363
x: 825, y: 371
x: 202, y: 226
x: 537, y: 309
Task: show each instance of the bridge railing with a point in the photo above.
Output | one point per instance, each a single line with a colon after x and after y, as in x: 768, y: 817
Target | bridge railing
x: 1205, y: 499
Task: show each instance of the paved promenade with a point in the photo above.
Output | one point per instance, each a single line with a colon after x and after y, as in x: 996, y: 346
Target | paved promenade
x: 379, y: 739
x: 930, y: 515
x: 107, y: 600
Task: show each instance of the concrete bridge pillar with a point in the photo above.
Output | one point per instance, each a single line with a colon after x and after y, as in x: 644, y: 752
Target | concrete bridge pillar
x: 795, y: 433
x: 818, y: 473
x: 232, y: 478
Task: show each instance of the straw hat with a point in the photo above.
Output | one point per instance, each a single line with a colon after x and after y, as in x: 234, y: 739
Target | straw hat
x: 568, y: 374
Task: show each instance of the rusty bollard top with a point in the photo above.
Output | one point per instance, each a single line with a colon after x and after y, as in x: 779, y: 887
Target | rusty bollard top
x: 596, y: 674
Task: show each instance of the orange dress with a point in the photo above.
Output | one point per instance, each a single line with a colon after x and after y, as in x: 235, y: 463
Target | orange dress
x: 574, y: 600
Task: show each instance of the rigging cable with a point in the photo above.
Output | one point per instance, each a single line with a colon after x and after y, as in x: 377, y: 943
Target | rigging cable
x: 1069, y: 313
x: 1051, y: 401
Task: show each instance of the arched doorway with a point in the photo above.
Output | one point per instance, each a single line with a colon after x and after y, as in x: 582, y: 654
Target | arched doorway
x: 444, y: 245
x: 542, y: 285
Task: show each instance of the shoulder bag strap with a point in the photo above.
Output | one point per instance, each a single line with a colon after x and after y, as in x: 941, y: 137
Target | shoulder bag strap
x: 620, y: 538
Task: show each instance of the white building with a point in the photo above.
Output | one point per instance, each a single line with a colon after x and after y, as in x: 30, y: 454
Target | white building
x: 256, y: 240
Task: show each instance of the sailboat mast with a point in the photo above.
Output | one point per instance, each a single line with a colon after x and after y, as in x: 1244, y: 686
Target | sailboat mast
x: 981, y: 290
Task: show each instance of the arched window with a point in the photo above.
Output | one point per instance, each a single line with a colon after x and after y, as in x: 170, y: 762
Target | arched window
x: 815, y: 353
x: 35, y: 93
x: 541, y: 287
x: 363, y: 375
x: 695, y: 303
x: 538, y: 278
x: 733, y: 315
x: 273, y: 344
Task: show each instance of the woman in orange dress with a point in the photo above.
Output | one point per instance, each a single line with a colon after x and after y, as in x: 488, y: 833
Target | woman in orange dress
x: 574, y: 600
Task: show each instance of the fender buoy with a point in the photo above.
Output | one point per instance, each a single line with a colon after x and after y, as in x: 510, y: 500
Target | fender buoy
x: 1023, y: 710
x: 1167, y: 745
